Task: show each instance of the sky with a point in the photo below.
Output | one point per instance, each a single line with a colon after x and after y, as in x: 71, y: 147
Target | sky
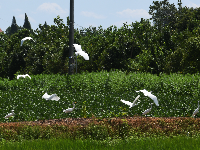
x: 86, y: 12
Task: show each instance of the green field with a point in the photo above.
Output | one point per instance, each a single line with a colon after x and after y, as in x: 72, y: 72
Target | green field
x: 98, y: 94
x: 167, y: 143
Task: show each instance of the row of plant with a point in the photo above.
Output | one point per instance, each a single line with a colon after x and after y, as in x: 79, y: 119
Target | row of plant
x: 98, y: 94
x: 102, y: 129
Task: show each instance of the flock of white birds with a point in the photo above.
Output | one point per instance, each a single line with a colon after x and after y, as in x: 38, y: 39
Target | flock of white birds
x: 154, y: 98
x: 86, y: 57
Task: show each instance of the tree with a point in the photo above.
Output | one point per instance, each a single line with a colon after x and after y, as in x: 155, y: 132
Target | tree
x: 13, y: 28
x: 163, y: 13
x: 27, y: 24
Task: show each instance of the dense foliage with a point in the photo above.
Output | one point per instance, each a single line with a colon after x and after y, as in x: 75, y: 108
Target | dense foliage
x: 99, y: 95
x: 170, y: 45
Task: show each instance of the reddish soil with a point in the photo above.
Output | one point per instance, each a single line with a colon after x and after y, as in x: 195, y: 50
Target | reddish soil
x: 162, y: 122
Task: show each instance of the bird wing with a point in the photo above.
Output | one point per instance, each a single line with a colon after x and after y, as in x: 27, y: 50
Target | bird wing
x: 77, y: 47
x: 28, y: 76
x: 127, y: 102
x: 9, y: 115
x: 68, y: 110
x: 26, y: 38
x: 54, y: 97
x: 84, y: 54
x: 46, y: 96
x: 154, y: 98
x: 135, y: 100
x: 195, y: 112
x: 146, y: 111
x: 19, y: 76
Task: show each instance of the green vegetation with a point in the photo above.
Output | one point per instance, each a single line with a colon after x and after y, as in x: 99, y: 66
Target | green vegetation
x: 98, y: 94
x: 171, y: 143
x: 170, y: 45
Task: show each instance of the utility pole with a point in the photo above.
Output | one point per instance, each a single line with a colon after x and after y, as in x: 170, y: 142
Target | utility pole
x: 71, y: 38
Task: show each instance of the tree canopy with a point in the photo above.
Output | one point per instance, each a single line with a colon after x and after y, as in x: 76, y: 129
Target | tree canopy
x: 171, y: 47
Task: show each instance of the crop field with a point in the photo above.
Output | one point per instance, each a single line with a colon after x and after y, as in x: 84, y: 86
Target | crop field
x: 99, y: 114
x: 98, y: 95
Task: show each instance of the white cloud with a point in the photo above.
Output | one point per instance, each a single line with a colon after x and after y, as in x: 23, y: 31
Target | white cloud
x: 191, y: 4
x: 134, y: 13
x: 92, y: 14
x: 52, y: 8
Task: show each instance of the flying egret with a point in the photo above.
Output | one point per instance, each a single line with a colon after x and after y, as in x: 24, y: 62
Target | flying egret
x: 153, y: 97
x: 10, y: 114
x: 69, y: 109
x: 196, y: 111
x: 50, y: 97
x: 26, y: 38
x: 79, y: 51
x: 131, y: 104
x: 23, y: 76
x: 148, y: 110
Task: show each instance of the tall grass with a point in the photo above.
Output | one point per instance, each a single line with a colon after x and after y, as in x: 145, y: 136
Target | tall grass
x: 167, y: 143
x: 98, y: 94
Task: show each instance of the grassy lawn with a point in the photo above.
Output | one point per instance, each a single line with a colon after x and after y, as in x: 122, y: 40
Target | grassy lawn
x: 161, y: 143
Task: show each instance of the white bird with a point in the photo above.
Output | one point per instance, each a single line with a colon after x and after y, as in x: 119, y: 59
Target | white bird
x: 148, y: 110
x: 23, y: 76
x: 50, y: 97
x: 196, y: 110
x: 153, y: 97
x: 69, y: 109
x: 10, y: 114
x: 26, y: 38
x: 131, y: 104
x: 79, y: 51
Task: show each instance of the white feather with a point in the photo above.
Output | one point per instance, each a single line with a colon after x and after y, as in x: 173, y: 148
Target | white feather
x: 50, y: 97
x: 23, y: 76
x: 196, y: 110
x: 10, y: 114
x: 153, y: 97
x: 69, y: 109
x: 131, y: 104
x: 148, y: 110
x: 79, y: 51
x: 26, y: 38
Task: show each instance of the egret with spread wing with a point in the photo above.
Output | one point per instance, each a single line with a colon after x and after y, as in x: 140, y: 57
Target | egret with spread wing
x: 153, y: 97
x: 79, y: 51
x: 50, y: 97
x: 23, y: 76
x: 131, y: 104
x: 26, y: 38
x: 69, y: 109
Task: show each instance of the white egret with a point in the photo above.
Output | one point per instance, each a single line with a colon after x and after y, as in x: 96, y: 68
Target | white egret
x: 50, y: 97
x: 10, y: 114
x: 196, y: 111
x: 131, y: 104
x: 148, y: 110
x: 69, y: 109
x: 153, y: 97
x: 79, y: 51
x: 23, y: 76
x: 26, y: 38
